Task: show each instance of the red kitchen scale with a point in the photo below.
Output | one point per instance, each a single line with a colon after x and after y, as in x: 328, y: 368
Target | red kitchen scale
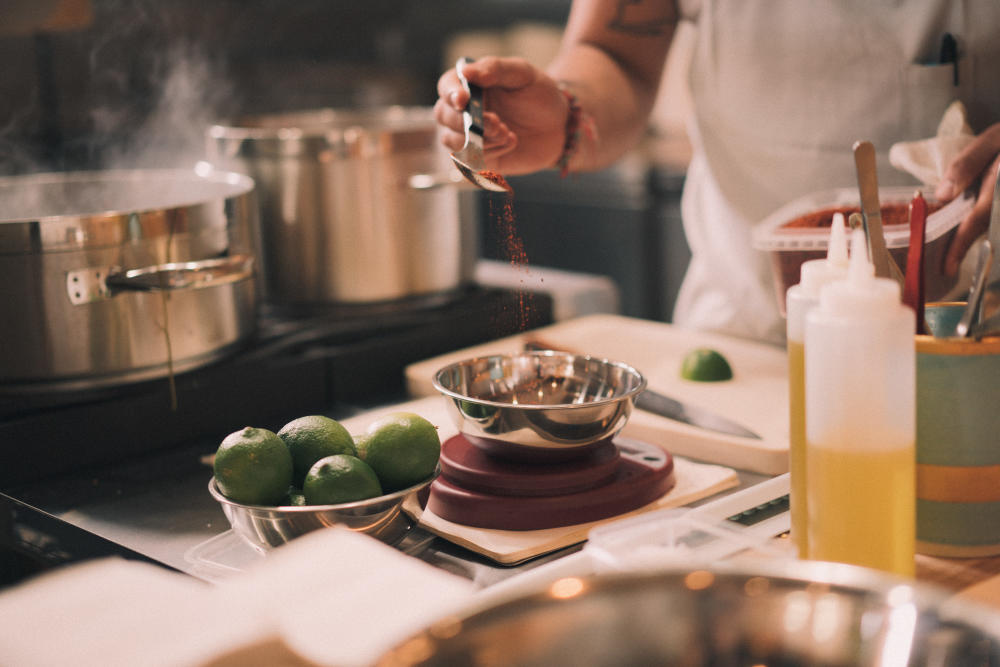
x: 613, y: 476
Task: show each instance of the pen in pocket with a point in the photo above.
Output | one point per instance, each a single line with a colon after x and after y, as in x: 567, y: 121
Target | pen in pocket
x: 949, y: 54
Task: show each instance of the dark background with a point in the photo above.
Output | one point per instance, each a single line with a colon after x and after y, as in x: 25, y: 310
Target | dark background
x: 72, y: 94
x: 134, y: 83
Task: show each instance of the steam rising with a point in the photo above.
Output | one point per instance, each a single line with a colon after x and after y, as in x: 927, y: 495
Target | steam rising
x: 190, y: 98
x: 151, y: 89
x: 136, y: 88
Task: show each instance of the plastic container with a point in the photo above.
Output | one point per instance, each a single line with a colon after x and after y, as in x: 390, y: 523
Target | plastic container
x: 798, y: 232
x: 800, y: 299
x: 860, y: 365
x: 670, y: 537
x: 700, y: 536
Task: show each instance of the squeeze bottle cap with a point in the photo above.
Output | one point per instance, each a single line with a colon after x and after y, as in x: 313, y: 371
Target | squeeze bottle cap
x: 860, y: 294
x: 818, y: 272
x: 836, y: 251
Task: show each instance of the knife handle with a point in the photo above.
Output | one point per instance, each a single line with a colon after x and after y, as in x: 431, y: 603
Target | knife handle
x: 473, y: 114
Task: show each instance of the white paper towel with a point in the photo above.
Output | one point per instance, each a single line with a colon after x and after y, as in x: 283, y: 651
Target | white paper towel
x: 332, y: 597
x: 343, y: 598
x: 926, y: 159
x: 117, y: 612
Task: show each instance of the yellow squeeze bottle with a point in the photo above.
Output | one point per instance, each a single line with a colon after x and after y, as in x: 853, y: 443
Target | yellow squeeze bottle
x: 799, y: 300
x: 860, y: 370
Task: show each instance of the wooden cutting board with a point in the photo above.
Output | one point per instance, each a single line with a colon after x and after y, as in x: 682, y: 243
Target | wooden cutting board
x: 756, y: 397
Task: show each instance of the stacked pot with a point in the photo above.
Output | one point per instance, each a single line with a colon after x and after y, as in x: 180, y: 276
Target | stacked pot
x: 356, y: 206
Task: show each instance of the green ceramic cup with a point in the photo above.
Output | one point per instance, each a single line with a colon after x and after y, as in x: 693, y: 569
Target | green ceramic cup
x: 958, y: 439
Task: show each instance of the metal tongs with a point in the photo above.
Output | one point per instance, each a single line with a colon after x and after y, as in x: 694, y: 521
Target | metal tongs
x: 972, y: 313
x: 469, y: 159
x: 981, y: 311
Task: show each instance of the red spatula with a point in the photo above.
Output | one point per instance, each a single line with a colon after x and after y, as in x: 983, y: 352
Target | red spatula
x: 913, y: 287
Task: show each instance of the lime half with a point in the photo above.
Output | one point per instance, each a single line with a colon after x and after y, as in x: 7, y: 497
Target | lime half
x: 705, y: 365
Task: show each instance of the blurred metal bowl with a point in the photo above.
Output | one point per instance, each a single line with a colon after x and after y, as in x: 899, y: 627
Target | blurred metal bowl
x: 789, y: 613
x: 265, y: 527
x: 540, y: 405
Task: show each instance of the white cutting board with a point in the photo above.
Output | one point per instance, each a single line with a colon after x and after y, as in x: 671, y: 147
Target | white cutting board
x: 756, y: 397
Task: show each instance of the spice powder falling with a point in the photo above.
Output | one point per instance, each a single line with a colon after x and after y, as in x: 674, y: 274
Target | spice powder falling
x: 502, y: 213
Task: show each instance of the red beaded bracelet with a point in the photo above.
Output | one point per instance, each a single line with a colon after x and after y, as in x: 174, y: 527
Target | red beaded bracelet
x: 577, y: 122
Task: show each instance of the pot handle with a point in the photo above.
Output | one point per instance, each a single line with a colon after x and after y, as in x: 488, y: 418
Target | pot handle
x: 88, y: 285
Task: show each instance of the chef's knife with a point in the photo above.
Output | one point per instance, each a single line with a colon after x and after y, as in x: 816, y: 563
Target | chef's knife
x: 671, y: 408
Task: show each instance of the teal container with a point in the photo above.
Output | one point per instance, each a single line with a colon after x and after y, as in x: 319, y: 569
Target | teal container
x: 958, y: 439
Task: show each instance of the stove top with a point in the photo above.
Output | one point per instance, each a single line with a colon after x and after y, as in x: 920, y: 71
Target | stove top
x: 121, y: 471
x: 300, y: 362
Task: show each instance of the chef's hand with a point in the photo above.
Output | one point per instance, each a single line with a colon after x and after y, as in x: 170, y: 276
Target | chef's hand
x: 524, y: 113
x: 980, y: 159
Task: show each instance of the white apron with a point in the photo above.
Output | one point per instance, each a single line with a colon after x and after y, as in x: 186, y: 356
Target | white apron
x: 781, y: 91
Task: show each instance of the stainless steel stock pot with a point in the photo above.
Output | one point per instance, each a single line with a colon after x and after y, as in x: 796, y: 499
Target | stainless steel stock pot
x: 357, y: 206
x: 120, y: 275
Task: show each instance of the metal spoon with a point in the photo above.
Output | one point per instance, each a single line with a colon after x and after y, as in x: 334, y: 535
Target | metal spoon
x: 972, y: 313
x: 469, y: 159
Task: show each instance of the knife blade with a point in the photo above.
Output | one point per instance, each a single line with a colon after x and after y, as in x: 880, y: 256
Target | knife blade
x: 671, y: 408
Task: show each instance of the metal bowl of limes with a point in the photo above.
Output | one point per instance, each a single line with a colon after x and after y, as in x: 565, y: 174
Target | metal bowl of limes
x: 265, y: 527
x: 540, y: 405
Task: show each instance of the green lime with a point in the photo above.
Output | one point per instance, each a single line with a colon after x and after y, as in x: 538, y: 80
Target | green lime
x: 340, y: 478
x: 705, y: 365
x: 295, y: 497
x: 402, y: 447
x: 311, y: 438
x: 253, y: 466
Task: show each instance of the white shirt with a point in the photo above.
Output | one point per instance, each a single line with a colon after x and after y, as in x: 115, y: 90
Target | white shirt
x: 781, y: 90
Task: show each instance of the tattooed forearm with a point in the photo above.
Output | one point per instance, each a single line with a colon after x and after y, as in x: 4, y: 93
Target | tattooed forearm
x: 641, y: 17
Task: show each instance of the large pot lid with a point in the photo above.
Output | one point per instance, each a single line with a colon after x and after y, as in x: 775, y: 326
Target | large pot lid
x: 65, y: 211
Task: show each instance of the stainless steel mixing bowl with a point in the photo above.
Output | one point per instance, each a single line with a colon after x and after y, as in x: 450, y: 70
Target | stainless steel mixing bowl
x: 265, y: 527
x: 790, y: 613
x: 540, y: 405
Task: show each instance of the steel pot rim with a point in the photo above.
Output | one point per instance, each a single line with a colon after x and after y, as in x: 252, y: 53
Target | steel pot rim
x: 239, y: 184
x: 323, y: 122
